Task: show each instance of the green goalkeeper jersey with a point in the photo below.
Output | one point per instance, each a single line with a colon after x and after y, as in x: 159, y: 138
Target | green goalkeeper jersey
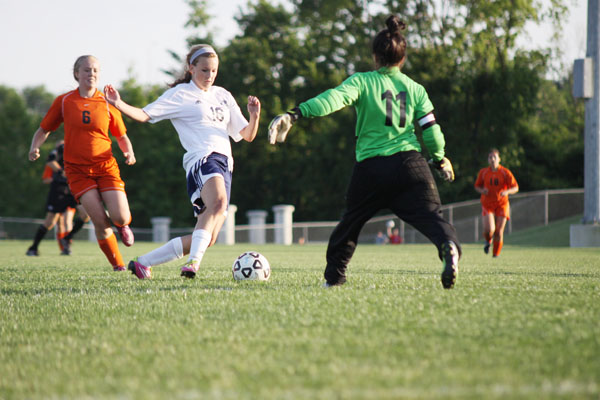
x: 386, y: 102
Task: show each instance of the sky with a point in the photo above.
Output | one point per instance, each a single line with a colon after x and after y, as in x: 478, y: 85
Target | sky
x: 40, y: 39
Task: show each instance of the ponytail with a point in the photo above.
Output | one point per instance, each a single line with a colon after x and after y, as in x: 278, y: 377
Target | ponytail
x: 389, y: 46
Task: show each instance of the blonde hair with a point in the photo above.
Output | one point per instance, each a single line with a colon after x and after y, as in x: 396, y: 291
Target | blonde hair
x: 78, y: 63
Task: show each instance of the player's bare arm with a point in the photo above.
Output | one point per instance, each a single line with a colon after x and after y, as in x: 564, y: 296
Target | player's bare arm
x: 127, y: 149
x: 55, y: 166
x: 113, y: 97
x: 249, y: 132
x: 481, y: 189
x: 39, y: 138
x: 510, y: 191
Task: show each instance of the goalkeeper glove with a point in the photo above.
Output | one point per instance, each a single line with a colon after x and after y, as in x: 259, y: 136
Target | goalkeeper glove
x: 281, y: 125
x: 444, y: 169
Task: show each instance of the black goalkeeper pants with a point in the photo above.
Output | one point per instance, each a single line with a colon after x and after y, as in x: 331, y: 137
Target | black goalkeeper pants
x: 402, y: 183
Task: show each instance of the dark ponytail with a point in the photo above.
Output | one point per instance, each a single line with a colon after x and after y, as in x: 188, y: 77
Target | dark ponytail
x: 389, y: 46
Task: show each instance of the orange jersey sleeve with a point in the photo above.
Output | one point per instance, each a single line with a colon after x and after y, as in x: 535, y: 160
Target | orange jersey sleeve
x: 87, y: 123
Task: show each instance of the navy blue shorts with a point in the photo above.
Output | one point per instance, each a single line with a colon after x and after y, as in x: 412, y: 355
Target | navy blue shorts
x: 215, y: 164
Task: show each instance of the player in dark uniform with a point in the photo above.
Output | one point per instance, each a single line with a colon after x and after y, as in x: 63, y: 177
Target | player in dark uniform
x: 59, y: 199
x: 390, y: 171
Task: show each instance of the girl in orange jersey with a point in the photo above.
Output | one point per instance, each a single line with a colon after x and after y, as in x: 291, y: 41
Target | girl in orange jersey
x: 92, y: 171
x: 495, y: 183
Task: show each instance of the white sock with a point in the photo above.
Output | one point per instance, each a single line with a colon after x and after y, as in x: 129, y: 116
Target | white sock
x: 172, y: 250
x: 200, y: 240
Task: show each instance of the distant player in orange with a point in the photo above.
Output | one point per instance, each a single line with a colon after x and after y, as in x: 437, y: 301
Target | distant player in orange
x: 495, y: 183
x: 92, y: 171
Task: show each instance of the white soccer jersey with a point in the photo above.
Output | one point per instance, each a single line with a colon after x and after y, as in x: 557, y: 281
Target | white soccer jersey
x: 204, y: 120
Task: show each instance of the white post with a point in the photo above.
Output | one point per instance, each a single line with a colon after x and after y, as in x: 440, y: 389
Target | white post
x: 227, y: 234
x: 591, y: 170
x: 283, y: 223
x: 256, y: 219
x: 161, y: 229
x: 402, y: 231
x: 546, y: 208
x: 588, y: 233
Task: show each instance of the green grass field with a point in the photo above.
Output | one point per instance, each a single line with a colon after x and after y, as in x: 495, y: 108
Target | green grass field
x: 525, y: 325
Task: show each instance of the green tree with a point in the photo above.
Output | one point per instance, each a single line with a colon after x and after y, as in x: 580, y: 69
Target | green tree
x: 271, y: 60
x: 20, y: 178
x: 487, y: 93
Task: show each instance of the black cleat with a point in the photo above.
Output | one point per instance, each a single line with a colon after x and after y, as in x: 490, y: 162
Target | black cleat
x: 188, y: 274
x: 486, y: 248
x: 32, y: 252
x: 450, y: 262
x: 189, y: 269
x: 66, y: 245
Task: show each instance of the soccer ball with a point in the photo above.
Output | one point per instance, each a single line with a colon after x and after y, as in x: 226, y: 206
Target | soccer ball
x: 250, y: 266
x: 390, y: 224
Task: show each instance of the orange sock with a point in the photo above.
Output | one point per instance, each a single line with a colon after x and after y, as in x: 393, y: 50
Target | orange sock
x: 497, y: 248
x: 110, y: 248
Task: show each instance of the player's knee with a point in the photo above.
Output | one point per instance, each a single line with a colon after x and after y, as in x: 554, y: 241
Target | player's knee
x: 219, y: 206
x: 121, y: 219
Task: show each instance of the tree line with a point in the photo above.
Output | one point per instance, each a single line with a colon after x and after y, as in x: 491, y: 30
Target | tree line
x: 487, y: 92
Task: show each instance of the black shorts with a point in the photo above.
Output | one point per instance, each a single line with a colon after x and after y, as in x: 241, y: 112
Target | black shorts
x: 59, y: 198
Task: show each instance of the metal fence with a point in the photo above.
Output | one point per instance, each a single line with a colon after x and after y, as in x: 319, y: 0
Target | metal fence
x: 527, y: 210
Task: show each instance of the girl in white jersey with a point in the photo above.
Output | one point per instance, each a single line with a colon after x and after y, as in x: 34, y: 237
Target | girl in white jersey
x: 390, y: 172
x: 205, y: 117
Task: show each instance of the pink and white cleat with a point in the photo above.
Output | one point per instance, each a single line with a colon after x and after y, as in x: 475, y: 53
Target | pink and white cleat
x: 139, y: 270
x: 126, y: 235
x: 190, y: 268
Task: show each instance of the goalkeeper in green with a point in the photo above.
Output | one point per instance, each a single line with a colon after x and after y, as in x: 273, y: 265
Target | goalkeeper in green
x: 390, y: 172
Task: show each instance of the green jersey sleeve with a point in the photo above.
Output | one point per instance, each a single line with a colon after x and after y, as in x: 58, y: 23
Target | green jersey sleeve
x: 332, y: 100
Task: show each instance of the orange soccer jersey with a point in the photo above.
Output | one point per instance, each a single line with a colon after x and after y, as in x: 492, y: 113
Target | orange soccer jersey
x: 87, y: 124
x: 495, y: 182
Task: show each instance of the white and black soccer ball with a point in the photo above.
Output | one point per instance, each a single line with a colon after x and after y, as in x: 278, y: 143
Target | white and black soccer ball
x: 250, y: 266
